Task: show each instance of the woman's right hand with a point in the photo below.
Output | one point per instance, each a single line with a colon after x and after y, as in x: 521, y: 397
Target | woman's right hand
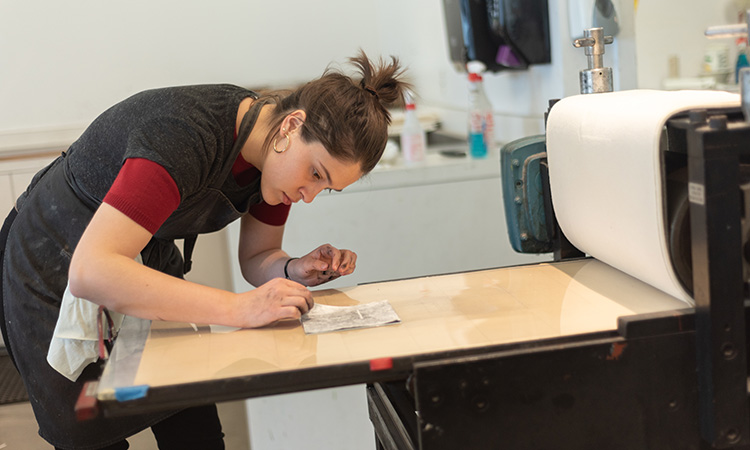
x: 278, y: 299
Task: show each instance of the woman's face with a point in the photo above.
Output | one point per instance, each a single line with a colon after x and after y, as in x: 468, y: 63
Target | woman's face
x: 302, y: 171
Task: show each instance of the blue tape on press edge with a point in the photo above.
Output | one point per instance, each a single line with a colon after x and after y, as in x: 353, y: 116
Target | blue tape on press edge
x: 131, y: 393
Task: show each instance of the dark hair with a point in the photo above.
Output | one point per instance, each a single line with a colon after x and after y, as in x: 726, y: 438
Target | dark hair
x: 349, y: 116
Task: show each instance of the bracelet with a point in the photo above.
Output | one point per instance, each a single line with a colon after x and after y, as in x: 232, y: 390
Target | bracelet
x: 286, y: 266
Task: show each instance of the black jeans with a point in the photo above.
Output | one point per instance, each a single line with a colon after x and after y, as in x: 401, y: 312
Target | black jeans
x: 195, y: 428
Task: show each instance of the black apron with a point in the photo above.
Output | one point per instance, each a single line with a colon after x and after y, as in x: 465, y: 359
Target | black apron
x: 51, y: 217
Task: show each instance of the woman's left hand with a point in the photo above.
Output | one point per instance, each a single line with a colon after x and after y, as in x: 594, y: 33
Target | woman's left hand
x: 322, y: 265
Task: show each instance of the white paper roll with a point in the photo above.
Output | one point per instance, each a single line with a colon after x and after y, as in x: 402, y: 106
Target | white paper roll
x: 606, y: 176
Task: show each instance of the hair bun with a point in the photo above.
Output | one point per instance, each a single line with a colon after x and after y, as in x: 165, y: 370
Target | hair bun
x: 381, y: 79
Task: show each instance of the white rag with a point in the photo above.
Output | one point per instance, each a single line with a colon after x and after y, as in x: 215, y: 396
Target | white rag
x: 76, y: 338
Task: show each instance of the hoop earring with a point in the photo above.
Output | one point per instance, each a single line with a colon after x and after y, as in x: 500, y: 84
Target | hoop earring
x: 285, y: 147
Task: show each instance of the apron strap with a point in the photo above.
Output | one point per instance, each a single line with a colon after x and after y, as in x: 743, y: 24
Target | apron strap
x: 246, y: 126
x: 187, y: 251
x: 248, y: 123
x: 3, y: 241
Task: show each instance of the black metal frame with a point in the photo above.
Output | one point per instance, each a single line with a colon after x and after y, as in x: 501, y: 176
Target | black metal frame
x: 626, y: 390
x: 716, y: 149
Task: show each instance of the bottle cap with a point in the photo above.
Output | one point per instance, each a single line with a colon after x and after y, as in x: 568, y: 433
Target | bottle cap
x: 411, y: 106
x: 475, y: 67
x: 475, y: 77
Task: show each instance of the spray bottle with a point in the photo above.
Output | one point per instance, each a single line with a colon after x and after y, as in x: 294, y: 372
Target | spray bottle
x: 481, y: 121
x: 413, y: 138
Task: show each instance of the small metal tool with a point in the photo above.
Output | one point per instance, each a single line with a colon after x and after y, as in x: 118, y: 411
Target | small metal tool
x: 596, y: 78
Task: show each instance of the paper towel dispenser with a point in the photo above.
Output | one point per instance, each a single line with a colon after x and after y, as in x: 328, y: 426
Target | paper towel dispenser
x: 503, y: 34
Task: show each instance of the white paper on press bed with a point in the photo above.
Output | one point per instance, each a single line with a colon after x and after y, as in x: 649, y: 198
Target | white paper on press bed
x: 606, y: 176
x: 326, y: 318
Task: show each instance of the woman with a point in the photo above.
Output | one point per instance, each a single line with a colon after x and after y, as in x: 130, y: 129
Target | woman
x: 171, y: 164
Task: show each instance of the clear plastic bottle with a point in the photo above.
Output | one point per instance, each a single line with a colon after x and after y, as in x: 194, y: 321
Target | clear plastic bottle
x: 413, y: 139
x: 481, y: 121
x: 742, y: 60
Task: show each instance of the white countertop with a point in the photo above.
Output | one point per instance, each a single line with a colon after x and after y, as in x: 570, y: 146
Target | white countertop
x: 435, y: 169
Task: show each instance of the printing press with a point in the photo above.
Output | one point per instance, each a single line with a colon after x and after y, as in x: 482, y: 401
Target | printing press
x: 666, y: 380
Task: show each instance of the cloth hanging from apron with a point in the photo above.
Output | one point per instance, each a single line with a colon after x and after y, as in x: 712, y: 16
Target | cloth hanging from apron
x: 75, y: 341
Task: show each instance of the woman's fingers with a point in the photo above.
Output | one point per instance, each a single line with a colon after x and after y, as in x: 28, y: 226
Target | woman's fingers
x: 302, y: 303
x: 348, y: 262
x: 335, y: 255
x: 289, y: 313
x: 324, y: 264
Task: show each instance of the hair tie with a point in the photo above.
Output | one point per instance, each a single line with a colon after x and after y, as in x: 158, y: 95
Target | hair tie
x: 371, y: 91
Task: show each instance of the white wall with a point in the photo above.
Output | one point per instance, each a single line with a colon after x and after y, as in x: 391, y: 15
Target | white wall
x: 668, y: 28
x: 62, y: 63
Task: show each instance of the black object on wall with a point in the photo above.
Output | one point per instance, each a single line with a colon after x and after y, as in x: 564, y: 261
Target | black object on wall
x: 503, y: 34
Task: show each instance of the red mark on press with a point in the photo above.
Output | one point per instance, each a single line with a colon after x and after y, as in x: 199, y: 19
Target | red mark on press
x: 616, y: 351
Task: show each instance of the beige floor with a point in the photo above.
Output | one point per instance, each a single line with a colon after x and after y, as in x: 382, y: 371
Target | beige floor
x: 18, y: 429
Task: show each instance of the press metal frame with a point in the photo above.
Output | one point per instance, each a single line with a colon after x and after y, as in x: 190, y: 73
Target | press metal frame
x: 672, y: 380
